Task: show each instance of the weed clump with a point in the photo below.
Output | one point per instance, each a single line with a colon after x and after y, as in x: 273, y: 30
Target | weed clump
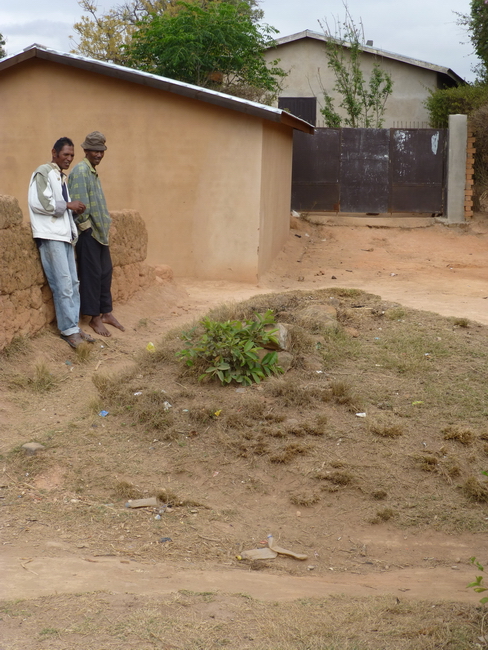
x: 83, y: 352
x: 339, y: 478
x: 385, y: 514
x: 464, y: 436
x: 385, y: 430
x: 427, y: 463
x: 41, y: 381
x: 291, y: 393
x: 251, y: 444
x: 18, y: 346
x: 475, y: 490
x: 396, y: 313
x: 341, y: 393
x: 288, y: 453
x: 126, y: 490
x: 450, y: 468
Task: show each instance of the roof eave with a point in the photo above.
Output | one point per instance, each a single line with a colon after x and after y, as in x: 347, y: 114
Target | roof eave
x: 284, y: 40
x: 162, y: 83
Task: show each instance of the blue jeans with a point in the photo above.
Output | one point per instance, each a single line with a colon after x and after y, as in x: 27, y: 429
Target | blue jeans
x: 58, y: 262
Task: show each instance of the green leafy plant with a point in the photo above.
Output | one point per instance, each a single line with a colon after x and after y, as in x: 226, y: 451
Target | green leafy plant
x: 443, y: 102
x: 232, y: 349
x: 102, y: 34
x: 217, y: 46
x: 476, y: 25
x: 363, y: 101
x: 478, y: 584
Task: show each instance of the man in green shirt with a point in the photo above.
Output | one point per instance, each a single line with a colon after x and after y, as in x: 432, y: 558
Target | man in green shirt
x: 92, y: 248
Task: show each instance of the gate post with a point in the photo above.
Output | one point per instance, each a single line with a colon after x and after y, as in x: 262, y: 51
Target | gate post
x: 456, y: 167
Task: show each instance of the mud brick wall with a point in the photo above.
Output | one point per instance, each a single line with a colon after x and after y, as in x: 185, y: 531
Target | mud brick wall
x: 468, y: 192
x: 128, y: 248
x: 26, y: 305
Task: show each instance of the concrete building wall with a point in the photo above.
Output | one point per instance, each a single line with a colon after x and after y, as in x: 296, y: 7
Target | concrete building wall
x: 198, y: 174
x: 306, y: 62
x: 273, y: 231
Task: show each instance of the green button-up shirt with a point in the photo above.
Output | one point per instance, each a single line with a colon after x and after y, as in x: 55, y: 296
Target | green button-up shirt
x: 84, y: 185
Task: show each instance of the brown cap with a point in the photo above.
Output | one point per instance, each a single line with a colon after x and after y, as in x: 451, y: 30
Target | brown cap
x: 94, y: 141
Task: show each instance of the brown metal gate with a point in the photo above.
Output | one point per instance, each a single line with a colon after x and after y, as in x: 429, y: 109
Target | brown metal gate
x: 370, y: 170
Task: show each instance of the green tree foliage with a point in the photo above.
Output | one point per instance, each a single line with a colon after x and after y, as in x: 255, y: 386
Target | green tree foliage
x: 452, y: 101
x: 219, y: 46
x: 476, y: 24
x: 103, y: 36
x: 363, y: 101
x: 3, y: 51
x: 469, y: 98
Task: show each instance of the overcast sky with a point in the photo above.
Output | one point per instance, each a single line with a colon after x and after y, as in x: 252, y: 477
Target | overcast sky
x: 421, y: 29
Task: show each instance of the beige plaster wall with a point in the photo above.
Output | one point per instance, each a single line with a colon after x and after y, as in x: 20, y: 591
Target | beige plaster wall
x: 193, y: 171
x: 275, y: 194
x: 306, y: 62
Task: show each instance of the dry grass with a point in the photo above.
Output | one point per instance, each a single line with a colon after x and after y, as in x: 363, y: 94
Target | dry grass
x: 236, y: 466
x: 476, y: 490
x: 460, y: 434
x: 385, y: 426
x: 124, y: 490
x: 40, y: 380
x: 20, y: 346
x: 305, y: 498
x: 385, y: 514
x: 83, y: 352
x: 461, y: 322
x: 207, y: 620
x: 304, y: 423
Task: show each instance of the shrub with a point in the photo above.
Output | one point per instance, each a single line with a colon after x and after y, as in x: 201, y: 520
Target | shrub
x: 451, y: 101
x: 231, y: 348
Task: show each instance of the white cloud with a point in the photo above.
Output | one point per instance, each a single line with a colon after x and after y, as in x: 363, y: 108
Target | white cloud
x: 422, y: 29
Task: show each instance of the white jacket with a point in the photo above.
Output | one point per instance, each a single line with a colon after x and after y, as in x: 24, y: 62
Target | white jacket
x: 49, y: 216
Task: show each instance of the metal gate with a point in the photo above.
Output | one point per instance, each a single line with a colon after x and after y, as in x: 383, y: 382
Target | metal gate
x: 370, y: 170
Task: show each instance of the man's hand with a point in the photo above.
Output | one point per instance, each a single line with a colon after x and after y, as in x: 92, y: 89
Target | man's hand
x: 77, y: 206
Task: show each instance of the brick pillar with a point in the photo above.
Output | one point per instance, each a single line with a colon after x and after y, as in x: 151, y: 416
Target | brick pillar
x: 468, y: 193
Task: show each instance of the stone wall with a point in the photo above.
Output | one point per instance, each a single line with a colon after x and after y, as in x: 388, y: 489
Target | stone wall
x: 26, y: 305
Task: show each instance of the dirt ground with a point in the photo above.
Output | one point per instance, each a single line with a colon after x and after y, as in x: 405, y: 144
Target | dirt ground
x: 428, y: 267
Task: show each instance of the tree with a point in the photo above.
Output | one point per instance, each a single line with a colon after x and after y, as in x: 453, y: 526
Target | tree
x: 362, y: 101
x: 476, y: 24
x: 103, y: 37
x: 218, y: 46
x: 3, y: 51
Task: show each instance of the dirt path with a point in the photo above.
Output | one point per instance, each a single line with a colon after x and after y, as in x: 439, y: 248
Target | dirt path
x: 28, y: 577
x: 434, y: 268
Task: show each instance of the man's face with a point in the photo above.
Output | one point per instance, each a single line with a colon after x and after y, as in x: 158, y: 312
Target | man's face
x: 94, y: 157
x: 64, y: 158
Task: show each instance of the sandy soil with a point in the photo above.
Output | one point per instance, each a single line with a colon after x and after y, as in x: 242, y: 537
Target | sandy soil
x: 433, y: 268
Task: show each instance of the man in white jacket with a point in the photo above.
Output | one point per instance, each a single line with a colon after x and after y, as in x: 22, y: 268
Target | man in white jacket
x: 55, y: 234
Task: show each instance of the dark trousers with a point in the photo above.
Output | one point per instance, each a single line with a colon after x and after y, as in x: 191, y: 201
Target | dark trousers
x: 95, y: 275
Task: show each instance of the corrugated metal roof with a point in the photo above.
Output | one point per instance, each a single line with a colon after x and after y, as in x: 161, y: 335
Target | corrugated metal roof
x: 377, y: 52
x: 162, y: 83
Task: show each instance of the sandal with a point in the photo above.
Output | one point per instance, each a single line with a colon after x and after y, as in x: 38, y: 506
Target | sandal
x: 69, y: 340
x: 86, y: 337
